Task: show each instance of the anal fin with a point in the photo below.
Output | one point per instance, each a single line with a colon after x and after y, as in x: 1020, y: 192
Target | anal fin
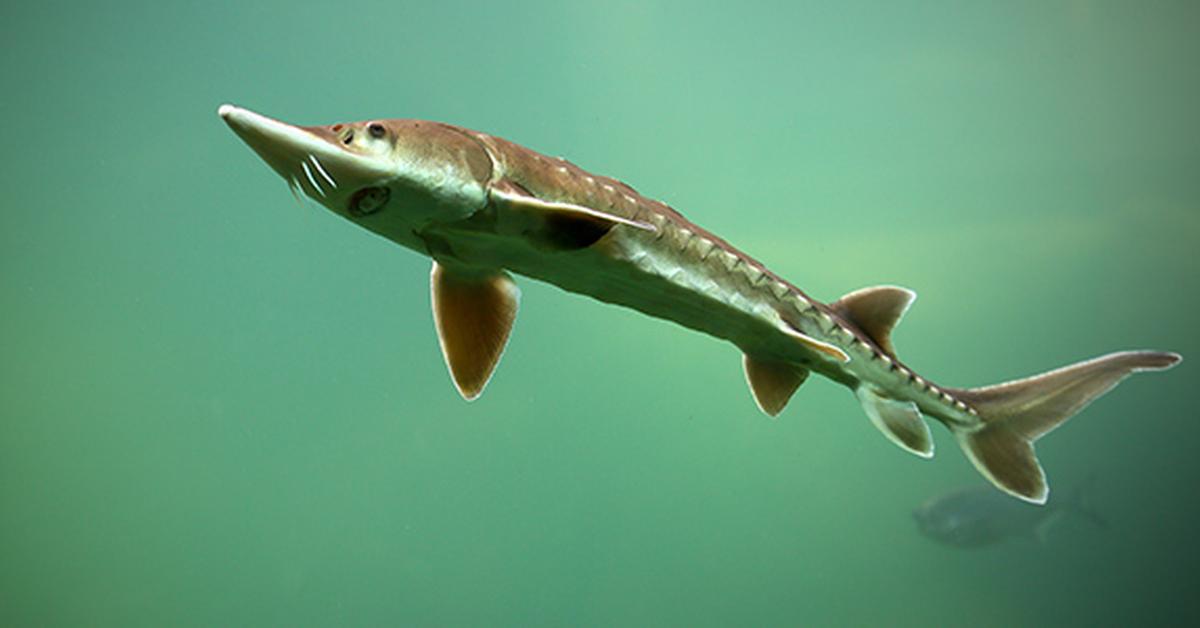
x: 474, y: 314
x: 900, y: 421
x: 772, y: 383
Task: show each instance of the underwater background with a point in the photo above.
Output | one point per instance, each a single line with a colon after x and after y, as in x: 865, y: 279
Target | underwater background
x: 218, y: 407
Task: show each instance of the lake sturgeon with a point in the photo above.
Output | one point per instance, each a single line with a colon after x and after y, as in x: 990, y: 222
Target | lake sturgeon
x: 482, y: 207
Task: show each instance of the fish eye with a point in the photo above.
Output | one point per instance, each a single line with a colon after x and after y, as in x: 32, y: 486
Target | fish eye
x: 375, y: 129
x: 349, y: 137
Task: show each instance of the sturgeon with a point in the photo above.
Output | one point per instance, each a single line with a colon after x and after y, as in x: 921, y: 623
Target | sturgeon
x: 483, y: 207
x: 979, y: 516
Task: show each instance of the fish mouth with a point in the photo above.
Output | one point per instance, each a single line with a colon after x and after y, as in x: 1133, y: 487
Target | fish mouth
x: 310, y: 159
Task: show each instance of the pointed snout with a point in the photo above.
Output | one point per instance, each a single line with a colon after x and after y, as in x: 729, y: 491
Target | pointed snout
x: 283, y: 146
x: 248, y: 124
x: 308, y: 158
x: 259, y: 130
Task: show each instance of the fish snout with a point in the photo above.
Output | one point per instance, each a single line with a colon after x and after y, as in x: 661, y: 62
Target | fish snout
x: 321, y: 161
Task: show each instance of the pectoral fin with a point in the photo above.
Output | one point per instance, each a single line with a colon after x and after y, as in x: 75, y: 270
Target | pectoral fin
x: 772, y: 383
x: 900, y: 421
x: 474, y: 314
x: 555, y: 224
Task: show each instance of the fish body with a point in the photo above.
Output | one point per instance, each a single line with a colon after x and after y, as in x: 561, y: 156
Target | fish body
x: 483, y: 207
x: 672, y: 269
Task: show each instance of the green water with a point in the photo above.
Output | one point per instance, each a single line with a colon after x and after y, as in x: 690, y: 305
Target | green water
x: 218, y: 407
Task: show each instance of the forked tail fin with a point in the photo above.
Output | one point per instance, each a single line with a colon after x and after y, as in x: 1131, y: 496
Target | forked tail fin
x: 1015, y: 414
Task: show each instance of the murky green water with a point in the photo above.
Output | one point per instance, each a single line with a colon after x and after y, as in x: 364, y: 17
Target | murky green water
x: 222, y: 408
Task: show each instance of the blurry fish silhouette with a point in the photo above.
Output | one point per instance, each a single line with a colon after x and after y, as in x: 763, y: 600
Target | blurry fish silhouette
x: 483, y: 207
x: 979, y: 516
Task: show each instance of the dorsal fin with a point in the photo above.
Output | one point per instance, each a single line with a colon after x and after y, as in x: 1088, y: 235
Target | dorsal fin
x: 876, y: 311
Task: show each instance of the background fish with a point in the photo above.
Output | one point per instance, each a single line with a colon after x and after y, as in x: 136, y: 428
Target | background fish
x: 978, y: 516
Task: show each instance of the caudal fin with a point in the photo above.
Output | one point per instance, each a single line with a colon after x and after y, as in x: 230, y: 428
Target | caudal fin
x: 1015, y: 414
